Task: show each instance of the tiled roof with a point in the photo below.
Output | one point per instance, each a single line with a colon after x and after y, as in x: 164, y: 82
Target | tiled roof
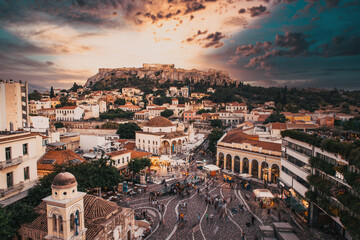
x: 237, y: 136
x: 159, y: 122
x: 130, y: 146
x: 98, y: 208
x: 138, y: 154
x: 117, y: 153
x: 281, y: 126
x: 68, y: 107
x: 59, y: 156
x: 159, y: 108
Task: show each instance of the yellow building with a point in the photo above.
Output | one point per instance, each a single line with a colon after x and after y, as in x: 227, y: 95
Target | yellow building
x: 297, y: 117
x: 239, y: 153
x: 54, y: 102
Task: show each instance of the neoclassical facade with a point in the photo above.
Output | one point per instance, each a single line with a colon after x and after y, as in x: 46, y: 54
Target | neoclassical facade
x: 160, y: 136
x: 69, y: 214
x: 238, y: 153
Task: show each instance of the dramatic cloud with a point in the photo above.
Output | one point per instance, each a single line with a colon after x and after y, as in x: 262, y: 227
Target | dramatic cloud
x: 287, y: 45
x: 213, y: 40
x: 256, y: 11
x: 341, y: 46
x: 62, y: 41
x: 210, y: 40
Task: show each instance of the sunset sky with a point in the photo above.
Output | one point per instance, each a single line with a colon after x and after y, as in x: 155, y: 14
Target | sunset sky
x: 312, y: 43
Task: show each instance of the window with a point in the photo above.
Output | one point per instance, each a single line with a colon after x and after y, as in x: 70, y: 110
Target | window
x: 60, y: 224
x: 10, y: 179
x: 8, y: 153
x: 25, y: 149
x: 72, y: 222
x: 54, y: 223
x: 26, y: 173
x: 123, y: 160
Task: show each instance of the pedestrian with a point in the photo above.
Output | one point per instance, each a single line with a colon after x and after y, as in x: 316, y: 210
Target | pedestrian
x: 252, y: 219
x: 211, y: 217
x: 207, y: 217
x: 242, y: 235
x: 198, y: 217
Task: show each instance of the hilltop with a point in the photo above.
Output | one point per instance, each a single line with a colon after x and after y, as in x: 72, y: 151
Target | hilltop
x: 156, y: 73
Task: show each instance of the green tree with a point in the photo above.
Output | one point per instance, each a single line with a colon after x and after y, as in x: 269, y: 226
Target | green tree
x: 167, y: 113
x: 275, y: 117
x: 110, y: 125
x: 64, y: 101
x: 127, y: 130
x: 35, y: 95
x: 7, y: 231
x: 138, y: 164
x: 52, y: 94
x: 213, y: 137
x: 216, y: 123
x: 75, y: 87
x: 58, y: 125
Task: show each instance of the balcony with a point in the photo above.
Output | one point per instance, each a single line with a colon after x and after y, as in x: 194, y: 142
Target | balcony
x: 11, y: 162
x: 15, y: 188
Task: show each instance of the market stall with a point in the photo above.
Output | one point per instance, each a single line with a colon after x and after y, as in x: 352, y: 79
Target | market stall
x: 213, y: 169
x: 264, y: 196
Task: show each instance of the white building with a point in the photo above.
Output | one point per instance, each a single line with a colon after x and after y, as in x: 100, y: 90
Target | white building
x: 231, y: 107
x: 38, y: 122
x: 131, y: 91
x: 104, y: 142
x: 19, y: 154
x: 69, y: 113
x: 120, y: 158
x: 43, y: 103
x: 90, y: 110
x: 159, y: 136
x: 14, y: 109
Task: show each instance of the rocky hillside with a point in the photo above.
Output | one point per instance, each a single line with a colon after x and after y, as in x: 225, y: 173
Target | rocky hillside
x: 159, y: 73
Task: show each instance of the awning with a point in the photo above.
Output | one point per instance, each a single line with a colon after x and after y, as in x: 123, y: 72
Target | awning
x: 90, y: 155
x: 211, y: 167
x: 263, y: 193
x: 245, y: 175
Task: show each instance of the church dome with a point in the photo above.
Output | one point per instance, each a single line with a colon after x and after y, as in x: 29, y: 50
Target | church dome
x: 64, y: 180
x: 159, y: 122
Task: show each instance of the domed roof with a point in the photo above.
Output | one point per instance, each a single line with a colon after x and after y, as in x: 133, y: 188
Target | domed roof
x: 64, y: 180
x: 159, y: 122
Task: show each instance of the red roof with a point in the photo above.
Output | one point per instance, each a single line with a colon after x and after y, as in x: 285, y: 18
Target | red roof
x: 117, y: 153
x: 138, y: 154
x: 68, y: 107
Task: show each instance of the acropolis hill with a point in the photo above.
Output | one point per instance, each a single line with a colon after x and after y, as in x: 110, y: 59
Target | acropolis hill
x: 160, y: 73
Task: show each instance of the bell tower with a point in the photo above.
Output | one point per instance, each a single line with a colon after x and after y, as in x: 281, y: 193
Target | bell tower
x: 65, y: 209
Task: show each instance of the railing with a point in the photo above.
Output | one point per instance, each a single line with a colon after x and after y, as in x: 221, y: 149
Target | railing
x: 14, y: 188
x: 11, y: 162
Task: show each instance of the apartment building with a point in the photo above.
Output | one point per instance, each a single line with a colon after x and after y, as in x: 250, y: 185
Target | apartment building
x: 18, y: 172
x: 314, y: 184
x: 14, y: 107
